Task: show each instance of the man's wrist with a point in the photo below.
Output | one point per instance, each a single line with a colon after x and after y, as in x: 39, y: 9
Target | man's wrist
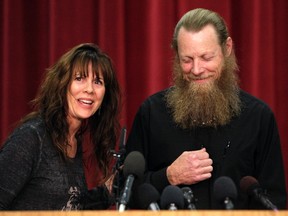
x: 170, y: 176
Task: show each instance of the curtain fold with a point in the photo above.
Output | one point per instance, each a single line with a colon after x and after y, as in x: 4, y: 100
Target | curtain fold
x: 137, y: 35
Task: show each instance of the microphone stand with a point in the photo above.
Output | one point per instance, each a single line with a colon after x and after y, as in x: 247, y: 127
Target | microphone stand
x: 118, y: 166
x: 117, y: 169
x: 228, y: 204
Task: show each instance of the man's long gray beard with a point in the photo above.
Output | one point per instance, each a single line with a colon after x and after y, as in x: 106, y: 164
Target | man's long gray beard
x: 209, y: 105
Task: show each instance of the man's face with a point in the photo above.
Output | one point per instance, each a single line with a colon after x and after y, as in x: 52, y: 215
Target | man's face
x: 206, y: 88
x: 200, y: 56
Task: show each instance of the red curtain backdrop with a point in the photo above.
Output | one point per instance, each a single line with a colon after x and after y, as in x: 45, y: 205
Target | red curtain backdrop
x: 137, y: 36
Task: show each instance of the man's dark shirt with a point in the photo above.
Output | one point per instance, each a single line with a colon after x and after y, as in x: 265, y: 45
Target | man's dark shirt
x: 248, y: 146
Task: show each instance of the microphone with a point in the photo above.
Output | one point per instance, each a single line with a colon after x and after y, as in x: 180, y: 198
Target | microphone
x: 133, y: 168
x: 225, y: 191
x: 120, y: 154
x: 251, y: 186
x: 172, y: 198
x: 189, y: 198
x: 149, y: 196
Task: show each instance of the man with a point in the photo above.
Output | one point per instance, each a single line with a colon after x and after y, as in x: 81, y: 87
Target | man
x: 205, y: 126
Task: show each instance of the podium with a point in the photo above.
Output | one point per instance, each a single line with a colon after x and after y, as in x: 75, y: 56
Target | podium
x: 148, y: 213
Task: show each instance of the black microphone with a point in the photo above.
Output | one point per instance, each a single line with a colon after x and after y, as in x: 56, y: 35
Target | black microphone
x: 120, y: 154
x: 148, y: 197
x: 225, y: 191
x: 251, y: 186
x: 189, y: 198
x: 172, y: 198
x: 134, y: 166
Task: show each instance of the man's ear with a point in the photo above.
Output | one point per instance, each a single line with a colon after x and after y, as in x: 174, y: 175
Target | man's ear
x: 229, y: 46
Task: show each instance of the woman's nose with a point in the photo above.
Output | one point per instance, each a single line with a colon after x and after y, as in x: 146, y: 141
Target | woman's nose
x: 89, y: 87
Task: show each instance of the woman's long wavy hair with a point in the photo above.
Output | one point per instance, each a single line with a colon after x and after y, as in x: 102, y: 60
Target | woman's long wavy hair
x: 51, y: 102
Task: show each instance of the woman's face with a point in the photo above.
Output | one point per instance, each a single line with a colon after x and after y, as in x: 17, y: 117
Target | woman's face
x: 85, y: 94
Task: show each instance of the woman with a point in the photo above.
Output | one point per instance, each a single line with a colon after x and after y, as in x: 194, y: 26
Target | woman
x: 45, y: 161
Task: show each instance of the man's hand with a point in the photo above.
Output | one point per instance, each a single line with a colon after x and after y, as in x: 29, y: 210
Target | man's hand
x: 190, y: 167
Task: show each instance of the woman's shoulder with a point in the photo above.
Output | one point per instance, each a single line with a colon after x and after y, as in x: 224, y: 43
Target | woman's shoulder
x: 26, y: 140
x: 35, y: 123
x: 33, y: 127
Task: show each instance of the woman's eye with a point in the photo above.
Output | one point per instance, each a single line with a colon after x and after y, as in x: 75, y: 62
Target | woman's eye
x: 98, y: 82
x: 78, y: 78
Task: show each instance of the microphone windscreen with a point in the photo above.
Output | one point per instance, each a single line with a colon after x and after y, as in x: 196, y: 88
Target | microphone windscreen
x: 172, y: 194
x: 147, y: 194
x: 251, y: 187
x: 224, y: 187
x: 248, y: 183
x: 134, y: 164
